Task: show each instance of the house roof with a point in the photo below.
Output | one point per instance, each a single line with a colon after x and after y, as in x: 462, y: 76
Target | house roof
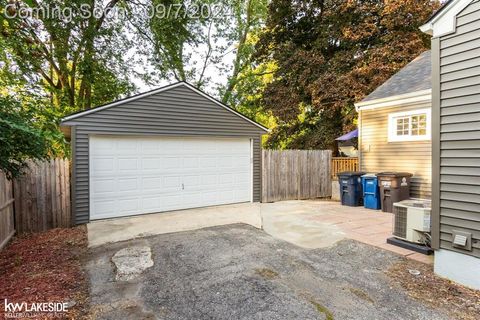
x: 415, y: 76
x: 76, y: 115
x: 440, y: 10
x: 443, y: 21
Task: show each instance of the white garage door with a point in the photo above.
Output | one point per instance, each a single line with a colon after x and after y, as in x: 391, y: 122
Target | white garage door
x: 130, y: 176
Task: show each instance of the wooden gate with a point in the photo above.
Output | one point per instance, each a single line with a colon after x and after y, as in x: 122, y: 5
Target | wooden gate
x: 296, y: 174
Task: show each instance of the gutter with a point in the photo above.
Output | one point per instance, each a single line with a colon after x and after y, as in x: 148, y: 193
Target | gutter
x: 416, y: 97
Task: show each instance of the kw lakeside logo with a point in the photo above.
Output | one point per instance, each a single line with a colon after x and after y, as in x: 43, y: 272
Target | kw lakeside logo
x: 16, y: 310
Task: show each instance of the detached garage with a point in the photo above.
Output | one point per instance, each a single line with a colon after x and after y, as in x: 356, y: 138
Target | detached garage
x: 167, y: 149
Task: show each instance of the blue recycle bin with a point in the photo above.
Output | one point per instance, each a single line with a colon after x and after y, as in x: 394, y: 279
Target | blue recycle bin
x: 371, y: 192
x: 351, y: 188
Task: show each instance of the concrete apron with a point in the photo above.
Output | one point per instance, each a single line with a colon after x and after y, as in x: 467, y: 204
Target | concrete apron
x: 286, y: 220
x: 119, y: 229
x: 292, y: 221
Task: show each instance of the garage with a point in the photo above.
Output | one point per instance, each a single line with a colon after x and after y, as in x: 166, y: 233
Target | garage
x: 167, y: 149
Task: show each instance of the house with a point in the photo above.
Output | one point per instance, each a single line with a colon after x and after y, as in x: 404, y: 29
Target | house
x: 167, y: 149
x: 455, y: 31
x: 395, y: 126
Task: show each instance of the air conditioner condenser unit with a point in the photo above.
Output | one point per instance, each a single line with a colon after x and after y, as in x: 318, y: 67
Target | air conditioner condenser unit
x: 412, y: 220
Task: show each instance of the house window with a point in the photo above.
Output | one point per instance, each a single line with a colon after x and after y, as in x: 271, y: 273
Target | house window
x: 409, y: 126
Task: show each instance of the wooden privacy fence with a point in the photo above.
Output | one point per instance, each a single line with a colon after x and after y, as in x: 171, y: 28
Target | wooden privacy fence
x: 42, y: 197
x: 342, y: 165
x: 296, y: 174
x: 6, y: 210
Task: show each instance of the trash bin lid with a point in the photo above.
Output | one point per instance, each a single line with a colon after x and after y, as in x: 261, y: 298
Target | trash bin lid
x: 394, y: 174
x: 351, y: 174
x: 369, y: 175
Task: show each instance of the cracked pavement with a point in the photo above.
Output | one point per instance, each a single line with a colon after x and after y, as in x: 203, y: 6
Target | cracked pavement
x: 240, y: 272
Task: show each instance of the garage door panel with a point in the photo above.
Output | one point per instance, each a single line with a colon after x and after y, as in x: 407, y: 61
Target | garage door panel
x: 150, y: 204
x: 128, y: 205
x: 208, y: 162
x: 191, y: 181
x: 150, y: 147
x: 241, y: 194
x: 172, y: 183
x: 104, y: 208
x: 102, y: 147
x: 127, y: 146
x: 152, y: 184
x: 151, y: 164
x: 171, y: 201
x: 227, y: 196
x: 101, y: 186
x: 171, y: 163
x: 138, y: 175
x: 190, y: 162
x: 128, y: 185
x: 103, y: 165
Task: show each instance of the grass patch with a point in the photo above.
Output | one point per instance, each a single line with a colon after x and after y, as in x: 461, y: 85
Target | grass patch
x: 322, y: 309
x: 267, y: 273
x: 361, y: 294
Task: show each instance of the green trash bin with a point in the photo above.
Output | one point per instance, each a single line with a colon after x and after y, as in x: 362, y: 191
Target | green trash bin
x: 394, y: 187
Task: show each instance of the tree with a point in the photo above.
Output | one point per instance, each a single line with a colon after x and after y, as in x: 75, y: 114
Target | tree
x: 26, y: 132
x: 76, y: 58
x: 330, y: 54
x: 249, y: 17
x: 185, y: 38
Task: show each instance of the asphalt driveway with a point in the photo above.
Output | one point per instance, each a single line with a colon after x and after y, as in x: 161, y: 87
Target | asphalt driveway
x: 240, y: 272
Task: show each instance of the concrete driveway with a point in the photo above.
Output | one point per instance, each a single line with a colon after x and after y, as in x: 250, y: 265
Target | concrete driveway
x: 309, y: 224
x: 240, y: 272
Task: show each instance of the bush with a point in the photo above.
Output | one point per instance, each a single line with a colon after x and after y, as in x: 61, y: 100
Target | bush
x: 27, y: 131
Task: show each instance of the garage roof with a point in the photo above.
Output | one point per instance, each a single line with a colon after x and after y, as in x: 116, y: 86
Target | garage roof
x: 152, y: 92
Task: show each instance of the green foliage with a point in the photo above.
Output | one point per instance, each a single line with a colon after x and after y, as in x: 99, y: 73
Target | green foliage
x: 184, y: 43
x: 246, y: 95
x: 27, y: 131
x: 78, y: 62
x: 54, y: 67
x: 330, y: 54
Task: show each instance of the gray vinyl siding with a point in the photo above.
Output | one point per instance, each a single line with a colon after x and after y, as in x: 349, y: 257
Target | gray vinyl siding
x: 456, y: 101
x: 179, y: 111
x: 377, y: 154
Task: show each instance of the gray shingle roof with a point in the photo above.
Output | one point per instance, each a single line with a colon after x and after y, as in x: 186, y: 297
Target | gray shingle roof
x: 415, y: 76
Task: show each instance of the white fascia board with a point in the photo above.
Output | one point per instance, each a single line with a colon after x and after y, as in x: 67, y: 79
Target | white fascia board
x: 146, y: 94
x: 394, y: 101
x: 446, y: 21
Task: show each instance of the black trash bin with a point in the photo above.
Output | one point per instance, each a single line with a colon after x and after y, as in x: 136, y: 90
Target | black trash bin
x: 351, y: 192
x: 394, y: 187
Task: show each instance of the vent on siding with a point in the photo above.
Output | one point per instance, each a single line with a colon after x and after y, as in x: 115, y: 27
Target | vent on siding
x: 400, y: 224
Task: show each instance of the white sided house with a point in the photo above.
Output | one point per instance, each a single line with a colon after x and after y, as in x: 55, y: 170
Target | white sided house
x: 395, y: 126
x: 455, y: 31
